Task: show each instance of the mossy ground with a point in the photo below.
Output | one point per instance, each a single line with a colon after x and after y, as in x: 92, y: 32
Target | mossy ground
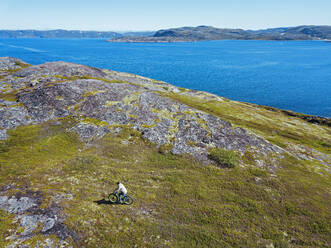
x: 178, y: 201
x: 276, y: 126
x: 6, y: 224
x: 224, y: 157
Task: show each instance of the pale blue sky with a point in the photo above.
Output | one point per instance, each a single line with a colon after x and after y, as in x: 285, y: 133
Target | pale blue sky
x: 153, y: 14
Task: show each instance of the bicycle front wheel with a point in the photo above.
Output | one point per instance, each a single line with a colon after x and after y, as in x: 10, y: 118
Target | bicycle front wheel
x: 128, y: 200
x: 113, y: 198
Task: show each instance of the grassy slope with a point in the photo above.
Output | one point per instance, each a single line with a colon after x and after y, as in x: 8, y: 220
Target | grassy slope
x: 179, y: 202
x: 277, y: 127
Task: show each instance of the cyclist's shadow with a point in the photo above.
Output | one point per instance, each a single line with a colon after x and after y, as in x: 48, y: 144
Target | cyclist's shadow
x: 105, y: 202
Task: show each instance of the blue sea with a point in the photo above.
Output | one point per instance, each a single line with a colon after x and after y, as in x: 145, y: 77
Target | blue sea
x: 293, y: 75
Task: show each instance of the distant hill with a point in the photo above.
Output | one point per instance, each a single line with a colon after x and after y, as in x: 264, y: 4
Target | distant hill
x: 58, y: 33
x: 296, y: 33
x: 182, y: 34
x: 211, y: 33
x: 138, y: 34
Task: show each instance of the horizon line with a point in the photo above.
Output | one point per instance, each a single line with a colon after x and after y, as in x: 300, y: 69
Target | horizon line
x: 150, y: 30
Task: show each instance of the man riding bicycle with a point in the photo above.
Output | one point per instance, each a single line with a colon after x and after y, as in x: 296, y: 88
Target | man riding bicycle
x: 121, y: 190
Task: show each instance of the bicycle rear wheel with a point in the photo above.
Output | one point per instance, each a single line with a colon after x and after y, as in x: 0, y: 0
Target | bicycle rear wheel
x: 113, y: 198
x: 128, y: 200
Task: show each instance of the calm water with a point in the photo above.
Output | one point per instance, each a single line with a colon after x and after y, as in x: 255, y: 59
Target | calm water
x: 292, y: 75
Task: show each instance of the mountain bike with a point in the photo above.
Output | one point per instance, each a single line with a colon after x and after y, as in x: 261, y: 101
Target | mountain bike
x: 114, y: 198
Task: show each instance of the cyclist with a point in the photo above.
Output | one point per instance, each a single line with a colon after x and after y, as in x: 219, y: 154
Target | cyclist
x: 121, y: 190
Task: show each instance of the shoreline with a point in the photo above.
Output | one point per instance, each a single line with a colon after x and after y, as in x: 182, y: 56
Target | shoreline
x: 182, y: 41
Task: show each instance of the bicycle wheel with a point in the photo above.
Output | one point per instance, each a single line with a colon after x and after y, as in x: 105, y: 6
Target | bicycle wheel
x: 128, y: 200
x: 113, y: 198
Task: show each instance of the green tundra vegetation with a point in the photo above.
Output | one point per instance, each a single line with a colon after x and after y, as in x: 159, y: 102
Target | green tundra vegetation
x: 224, y: 157
x: 179, y: 202
x: 273, y: 124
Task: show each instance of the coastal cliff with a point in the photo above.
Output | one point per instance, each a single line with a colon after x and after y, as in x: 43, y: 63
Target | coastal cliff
x: 204, y: 170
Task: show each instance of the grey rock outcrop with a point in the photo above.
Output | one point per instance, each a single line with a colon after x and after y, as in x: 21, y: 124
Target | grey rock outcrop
x: 9, y: 63
x: 16, y: 206
x: 30, y: 215
x: 105, y: 101
x: 64, y: 69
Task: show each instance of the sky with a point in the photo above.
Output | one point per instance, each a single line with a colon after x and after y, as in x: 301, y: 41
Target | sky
x: 140, y: 15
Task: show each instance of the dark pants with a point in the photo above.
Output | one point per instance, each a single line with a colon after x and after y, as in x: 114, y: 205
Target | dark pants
x: 121, y: 196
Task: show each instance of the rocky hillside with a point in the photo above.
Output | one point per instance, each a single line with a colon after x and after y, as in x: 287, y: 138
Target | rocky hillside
x: 211, y: 33
x: 204, y: 170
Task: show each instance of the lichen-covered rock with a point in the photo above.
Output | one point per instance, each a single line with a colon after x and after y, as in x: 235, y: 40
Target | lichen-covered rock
x: 17, y: 206
x: 8, y: 63
x: 12, y: 117
x: 30, y: 216
x: 88, y: 132
x: 64, y: 69
x: 102, y: 106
